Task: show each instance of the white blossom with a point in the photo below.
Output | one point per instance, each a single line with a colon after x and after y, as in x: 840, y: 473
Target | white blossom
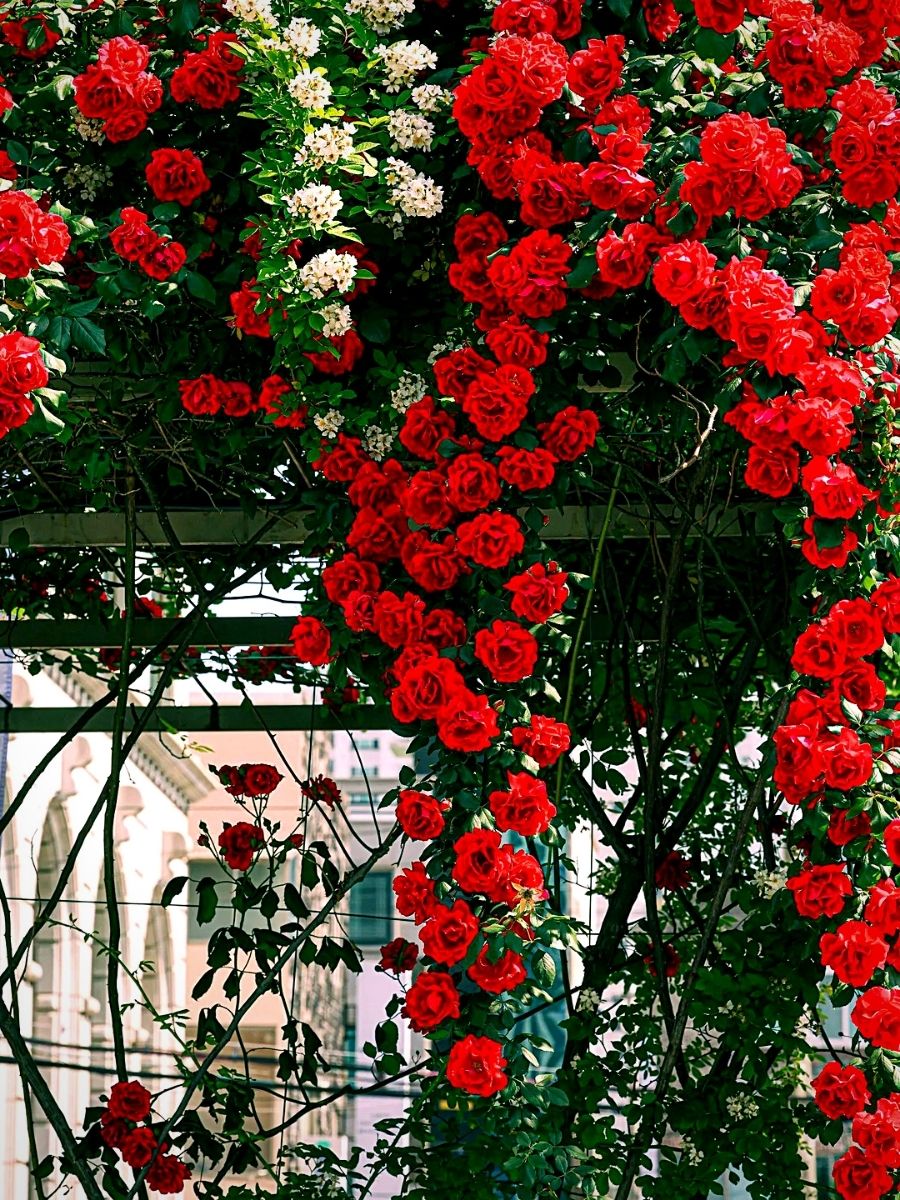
x: 317, y: 203
x: 429, y: 97
x: 310, y: 89
x: 87, y: 129
x: 377, y: 443
x: 252, y: 10
x: 338, y: 320
x: 768, y: 883
x: 325, y: 144
x: 410, y: 131
x: 409, y: 389
x: 329, y: 423
x: 413, y: 193
x: 382, y: 15
x: 328, y: 272
x: 690, y: 1152
x: 303, y: 37
x: 403, y: 61
x: 87, y: 180
x: 741, y: 1107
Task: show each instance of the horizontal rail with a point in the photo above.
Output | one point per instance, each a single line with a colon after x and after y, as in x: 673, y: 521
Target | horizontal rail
x: 206, y: 718
x: 50, y: 633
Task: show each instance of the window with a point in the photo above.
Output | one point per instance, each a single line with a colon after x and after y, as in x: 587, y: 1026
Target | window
x: 371, y: 911
x: 361, y: 799
x: 358, y: 772
x: 367, y: 743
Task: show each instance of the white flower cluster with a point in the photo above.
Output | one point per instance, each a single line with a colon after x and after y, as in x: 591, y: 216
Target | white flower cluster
x: 428, y: 97
x: 328, y: 272
x: 87, y: 129
x: 412, y: 192
x: 326, y: 144
x: 303, y: 37
x: 337, y: 319
x: 410, y: 131
x: 589, y: 1000
x: 409, y: 389
x: 768, y: 883
x: 317, y: 203
x: 310, y: 89
x: 691, y: 1153
x: 329, y: 423
x: 741, y: 1107
x: 377, y: 443
x: 87, y: 180
x: 403, y: 61
x: 252, y: 10
x: 382, y: 15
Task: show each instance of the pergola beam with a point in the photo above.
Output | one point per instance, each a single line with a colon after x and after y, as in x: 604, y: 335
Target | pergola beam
x: 77, y: 634
x: 204, y: 718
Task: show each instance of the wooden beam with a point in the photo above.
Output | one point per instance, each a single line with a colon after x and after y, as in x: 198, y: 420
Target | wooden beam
x: 76, y: 634
x: 205, y: 718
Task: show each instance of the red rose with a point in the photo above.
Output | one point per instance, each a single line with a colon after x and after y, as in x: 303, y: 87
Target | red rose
x: 501, y: 976
x: 821, y: 890
x: 398, y: 620
x: 772, y: 472
x: 892, y: 841
x: 482, y: 863
x: 348, y: 349
x: 237, y: 400
x: 349, y: 574
x: 886, y: 599
x: 167, y: 1175
x: 432, y: 1000
x: 861, y: 685
x: 138, y: 1146
x: 467, y: 723
x: 882, y: 909
x: 341, y: 462
x: 820, y: 651
x: 163, y: 259
x: 842, y: 829
x: 129, y: 1101
x: 434, y: 566
x: 683, y: 271
x: 424, y: 428
x: 427, y: 501
x: 857, y: 1178
x: 239, y: 844
x: 420, y: 816
x: 210, y: 77
x: 878, y: 1133
x: 672, y: 872
x: 113, y: 1130
x: 202, y: 396
x: 544, y: 740
x: 800, y: 765
x: 449, y: 932
x: 840, y: 1091
x: 443, y: 628
x: 31, y: 37
x: 876, y: 1015
x: 478, y: 233
x: 538, y: 593
x: 473, y: 483
x: 476, y: 1065
x: 176, y: 176
x: 245, y: 314
x: 525, y: 808
x: 595, y: 72
x: 133, y: 237
x: 848, y: 761
x: 571, y: 431
x: 508, y: 651
x: 426, y: 689
x: 398, y: 956
x: 526, y: 470
x: 490, y: 539
x: 859, y: 624
x: 260, y: 779
x: 854, y: 952
x: 835, y: 491
x: 311, y: 641
x: 414, y: 893
x: 670, y: 956
x: 515, y: 342
x: 496, y: 402
x: 22, y: 366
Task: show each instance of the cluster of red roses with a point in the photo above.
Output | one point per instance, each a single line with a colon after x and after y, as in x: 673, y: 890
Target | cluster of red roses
x: 22, y: 371
x: 207, y: 395
x: 119, y: 90
x: 125, y: 1126
x: 249, y: 779
x: 865, y: 147
x: 29, y: 237
x: 806, y: 53
x: 134, y: 241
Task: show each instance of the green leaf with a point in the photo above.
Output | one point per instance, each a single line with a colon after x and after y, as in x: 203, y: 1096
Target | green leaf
x: 18, y: 539
x: 206, y: 901
x: 172, y: 889
x: 200, y: 287
x: 88, y: 336
x: 374, y: 327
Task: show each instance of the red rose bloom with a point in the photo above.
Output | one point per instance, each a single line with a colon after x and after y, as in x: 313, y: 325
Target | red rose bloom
x: 886, y: 599
x: 854, y: 952
x: 482, y: 863
x: 878, y: 1133
x: 772, y: 472
x: 571, y: 431
x: 260, y: 779
x: 526, y: 470
x: 421, y: 817
x: 426, y: 689
x: 432, y: 1000
x: 163, y: 259
x: 856, y: 1177
x: 476, y: 1065
x: 672, y: 874
x: 467, y: 723
x: 239, y: 844
x: 840, y: 1091
x: 129, y: 1101
x: 176, y: 176
x: 491, y: 539
x: 859, y: 624
x: 848, y: 761
x: 133, y: 237
x: 508, y: 651
x: 501, y: 976
x: 820, y: 651
x: 138, y: 1146
x: 449, y: 932
x: 167, y: 1175
x: 525, y: 808
x: 414, y: 893
x: 246, y: 318
x: 876, y: 1015
x: 538, y: 593
x: 544, y: 740
x: 348, y: 574
x: 472, y: 483
x: 821, y: 890
x: 842, y: 830
x: 210, y: 77
x: 311, y: 641
x: 892, y: 841
x: 398, y: 956
x: 595, y: 72
x: 424, y: 428
x: 113, y: 1130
